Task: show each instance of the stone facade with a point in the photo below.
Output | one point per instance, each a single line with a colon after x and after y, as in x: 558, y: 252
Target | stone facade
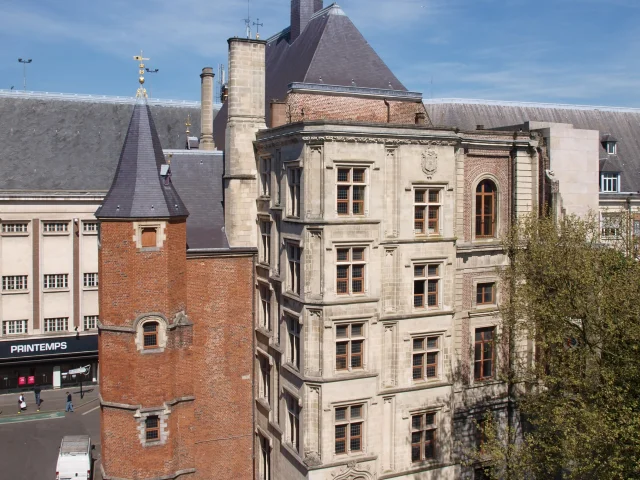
x: 396, y: 162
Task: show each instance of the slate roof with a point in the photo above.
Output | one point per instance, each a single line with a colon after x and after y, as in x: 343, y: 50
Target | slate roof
x: 330, y: 51
x: 138, y: 189
x: 197, y: 175
x: 621, y: 123
x: 56, y: 142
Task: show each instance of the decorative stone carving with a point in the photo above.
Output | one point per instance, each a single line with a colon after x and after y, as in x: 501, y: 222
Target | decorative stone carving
x: 353, y: 471
x: 429, y: 162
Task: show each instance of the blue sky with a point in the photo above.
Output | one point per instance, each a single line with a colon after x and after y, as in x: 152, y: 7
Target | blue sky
x: 559, y: 51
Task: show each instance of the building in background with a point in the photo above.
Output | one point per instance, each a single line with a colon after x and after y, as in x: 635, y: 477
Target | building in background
x: 58, y: 156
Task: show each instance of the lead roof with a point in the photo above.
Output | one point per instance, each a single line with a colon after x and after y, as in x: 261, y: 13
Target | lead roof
x: 138, y: 189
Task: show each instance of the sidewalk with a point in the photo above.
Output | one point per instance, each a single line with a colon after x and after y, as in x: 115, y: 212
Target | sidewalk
x: 52, y: 400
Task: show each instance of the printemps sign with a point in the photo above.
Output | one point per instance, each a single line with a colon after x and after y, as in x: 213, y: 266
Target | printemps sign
x: 52, y: 346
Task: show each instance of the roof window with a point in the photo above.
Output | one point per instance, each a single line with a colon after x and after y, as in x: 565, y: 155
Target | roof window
x: 610, y: 143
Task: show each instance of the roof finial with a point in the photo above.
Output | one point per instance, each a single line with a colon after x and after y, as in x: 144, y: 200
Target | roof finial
x: 188, y: 124
x: 142, y: 92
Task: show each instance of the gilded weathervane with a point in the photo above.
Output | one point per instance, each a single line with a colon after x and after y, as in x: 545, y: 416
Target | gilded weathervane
x: 142, y: 92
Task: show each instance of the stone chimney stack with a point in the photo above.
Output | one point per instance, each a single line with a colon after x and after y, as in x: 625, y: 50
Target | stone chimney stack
x: 246, y: 103
x: 301, y: 12
x: 206, y: 109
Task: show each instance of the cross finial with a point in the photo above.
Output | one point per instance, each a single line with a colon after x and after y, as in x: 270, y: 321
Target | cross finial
x: 142, y: 92
x: 188, y: 124
x: 258, y: 25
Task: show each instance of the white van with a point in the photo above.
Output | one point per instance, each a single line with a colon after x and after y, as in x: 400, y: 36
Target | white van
x: 74, y: 459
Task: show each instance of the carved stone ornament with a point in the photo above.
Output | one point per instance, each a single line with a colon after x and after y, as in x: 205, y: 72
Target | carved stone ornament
x: 353, y: 471
x: 429, y: 162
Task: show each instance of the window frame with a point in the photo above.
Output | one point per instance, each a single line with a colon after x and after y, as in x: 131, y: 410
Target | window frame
x: 148, y: 229
x: 422, y: 430
x: 55, y: 227
x: 349, y: 340
x: 426, y: 278
x: 15, y: 283
x: 8, y: 325
x: 265, y: 313
x: 426, y: 206
x: 350, y: 185
x: 481, y: 286
x: 264, y: 467
x: 265, y: 225
x: 609, y: 182
x: 480, y: 346
x: 264, y: 386
x: 60, y: 281
x: 479, y: 204
x: 294, y: 272
x: 423, y: 353
x: 294, y: 341
x: 292, y: 427
x: 348, y: 422
x: 612, y: 148
x: 60, y: 324
x: 294, y: 191
x: 152, y: 430
x: 11, y: 228
x: 90, y: 280
x: 265, y: 176
x: 149, y: 334
x: 89, y: 320
x: 88, y: 228
x: 349, y: 264
x: 610, y: 229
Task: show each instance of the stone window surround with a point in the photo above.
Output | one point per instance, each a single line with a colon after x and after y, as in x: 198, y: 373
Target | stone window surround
x: 24, y: 233
x: 474, y: 290
x: 161, y: 234
x: 162, y: 332
x: 441, y: 334
x: 163, y: 416
x: 261, y: 354
x: 443, y: 262
x: 334, y: 322
x: 294, y: 395
x: 263, y: 218
x: 265, y: 187
x: 366, y: 245
x: 366, y: 405
x: 297, y: 316
x: 498, y: 197
x: 273, y: 320
x: 287, y: 166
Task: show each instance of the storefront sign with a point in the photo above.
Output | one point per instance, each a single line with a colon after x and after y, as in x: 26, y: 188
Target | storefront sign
x: 22, y: 380
x: 49, y: 346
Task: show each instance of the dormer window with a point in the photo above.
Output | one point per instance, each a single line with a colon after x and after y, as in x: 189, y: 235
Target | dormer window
x: 610, y: 144
x: 612, y: 148
x: 610, y: 182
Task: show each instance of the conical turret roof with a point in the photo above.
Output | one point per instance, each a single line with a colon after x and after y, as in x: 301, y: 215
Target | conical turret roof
x: 142, y: 185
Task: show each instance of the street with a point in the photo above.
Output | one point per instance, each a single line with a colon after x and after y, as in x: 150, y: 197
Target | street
x: 29, y: 441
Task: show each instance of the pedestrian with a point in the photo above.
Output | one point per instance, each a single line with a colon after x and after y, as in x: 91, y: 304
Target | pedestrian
x: 69, y: 403
x: 36, y: 391
x: 22, y: 403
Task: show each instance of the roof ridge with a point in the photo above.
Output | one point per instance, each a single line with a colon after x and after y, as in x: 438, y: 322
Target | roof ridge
x: 514, y: 103
x: 89, y: 98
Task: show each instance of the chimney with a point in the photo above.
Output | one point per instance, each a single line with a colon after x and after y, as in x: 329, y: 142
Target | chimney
x: 206, y: 109
x: 246, y: 104
x: 278, y: 113
x: 301, y: 12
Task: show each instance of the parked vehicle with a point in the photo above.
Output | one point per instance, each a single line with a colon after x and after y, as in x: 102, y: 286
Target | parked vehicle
x: 74, y: 459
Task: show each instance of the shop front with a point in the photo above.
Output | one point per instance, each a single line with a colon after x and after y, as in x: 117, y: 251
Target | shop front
x: 48, y: 362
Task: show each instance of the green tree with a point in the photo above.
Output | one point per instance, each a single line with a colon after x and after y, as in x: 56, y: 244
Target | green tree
x: 571, y: 326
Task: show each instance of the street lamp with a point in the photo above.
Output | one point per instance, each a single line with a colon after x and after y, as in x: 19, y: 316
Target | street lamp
x: 24, y: 70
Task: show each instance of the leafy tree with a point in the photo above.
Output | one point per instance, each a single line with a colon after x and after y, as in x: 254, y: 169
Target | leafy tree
x: 571, y: 327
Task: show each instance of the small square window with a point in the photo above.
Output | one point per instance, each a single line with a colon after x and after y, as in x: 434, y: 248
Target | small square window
x: 148, y: 237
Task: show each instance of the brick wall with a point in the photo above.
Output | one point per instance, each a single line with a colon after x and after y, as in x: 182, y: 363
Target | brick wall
x: 220, y: 298
x: 330, y: 107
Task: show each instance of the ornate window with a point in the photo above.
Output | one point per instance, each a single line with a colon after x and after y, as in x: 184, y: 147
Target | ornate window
x: 426, y: 285
x: 427, y: 211
x: 486, y: 195
x: 350, y: 270
x: 349, y: 346
x: 423, y: 437
x: 352, y: 183
x: 426, y: 357
x: 349, y: 429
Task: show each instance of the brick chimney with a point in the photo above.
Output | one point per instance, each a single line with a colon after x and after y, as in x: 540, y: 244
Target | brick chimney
x: 301, y: 12
x: 206, y: 109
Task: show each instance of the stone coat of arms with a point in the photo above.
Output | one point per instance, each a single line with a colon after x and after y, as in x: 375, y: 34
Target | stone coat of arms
x: 429, y: 162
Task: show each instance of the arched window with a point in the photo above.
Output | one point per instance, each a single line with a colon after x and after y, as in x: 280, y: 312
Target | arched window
x: 150, y: 331
x: 486, y: 209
